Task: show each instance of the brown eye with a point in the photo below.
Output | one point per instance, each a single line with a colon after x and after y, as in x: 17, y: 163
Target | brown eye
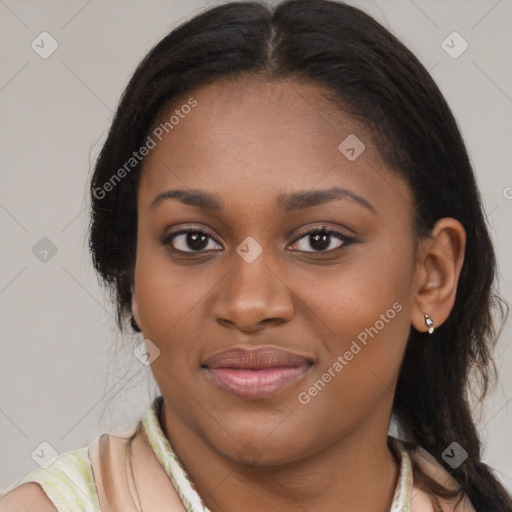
x: 190, y: 241
x: 322, y: 240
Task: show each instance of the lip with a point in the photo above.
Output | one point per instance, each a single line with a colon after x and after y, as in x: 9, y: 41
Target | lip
x: 256, y: 373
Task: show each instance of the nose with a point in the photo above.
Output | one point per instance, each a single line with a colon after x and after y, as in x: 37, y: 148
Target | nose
x: 252, y: 296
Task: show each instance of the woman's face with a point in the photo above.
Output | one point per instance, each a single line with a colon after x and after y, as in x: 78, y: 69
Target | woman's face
x: 257, y: 165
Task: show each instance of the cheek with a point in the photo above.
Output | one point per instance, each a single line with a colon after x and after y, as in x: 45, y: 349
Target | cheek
x: 171, y: 302
x: 356, y: 375
x: 353, y: 296
x: 361, y: 315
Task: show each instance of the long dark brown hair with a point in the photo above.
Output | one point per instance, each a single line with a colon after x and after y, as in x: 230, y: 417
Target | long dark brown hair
x: 375, y: 78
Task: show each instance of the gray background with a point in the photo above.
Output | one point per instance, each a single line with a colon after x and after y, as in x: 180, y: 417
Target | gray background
x: 66, y: 375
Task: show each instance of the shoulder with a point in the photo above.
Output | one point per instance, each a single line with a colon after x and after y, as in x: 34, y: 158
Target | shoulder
x: 28, y: 497
x: 421, y: 500
x: 66, y: 484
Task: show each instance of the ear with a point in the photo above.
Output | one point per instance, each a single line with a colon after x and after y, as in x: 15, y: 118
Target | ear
x: 439, y: 262
x: 135, y: 306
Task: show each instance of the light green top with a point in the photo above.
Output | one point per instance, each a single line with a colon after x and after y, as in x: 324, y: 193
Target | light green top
x: 69, y: 482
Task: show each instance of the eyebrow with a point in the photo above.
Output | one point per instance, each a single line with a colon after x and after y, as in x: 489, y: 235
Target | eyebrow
x: 286, y: 202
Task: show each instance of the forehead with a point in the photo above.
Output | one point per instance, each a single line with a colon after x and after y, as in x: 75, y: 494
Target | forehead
x: 255, y: 135
x: 244, y: 113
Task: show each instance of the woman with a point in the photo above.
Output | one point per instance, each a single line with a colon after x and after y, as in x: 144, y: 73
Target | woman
x: 285, y: 208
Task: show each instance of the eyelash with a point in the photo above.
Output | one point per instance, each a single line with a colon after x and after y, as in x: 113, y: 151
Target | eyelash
x: 324, y: 230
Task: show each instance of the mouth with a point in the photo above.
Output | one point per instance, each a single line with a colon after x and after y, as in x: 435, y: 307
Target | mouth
x: 256, y: 373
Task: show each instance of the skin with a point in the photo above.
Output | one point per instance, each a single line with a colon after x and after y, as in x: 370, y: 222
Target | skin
x: 247, y: 142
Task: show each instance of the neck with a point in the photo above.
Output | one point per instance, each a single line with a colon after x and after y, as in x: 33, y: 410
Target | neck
x: 339, y: 477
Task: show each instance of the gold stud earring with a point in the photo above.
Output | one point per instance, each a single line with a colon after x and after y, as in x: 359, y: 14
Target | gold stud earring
x: 429, y: 323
